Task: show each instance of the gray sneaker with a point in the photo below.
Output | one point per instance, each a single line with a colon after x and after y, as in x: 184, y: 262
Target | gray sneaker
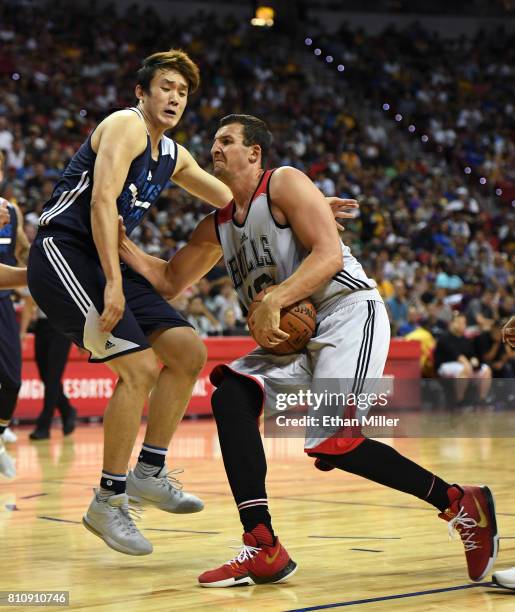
x: 163, y: 491
x: 112, y: 520
x: 7, y: 467
x: 9, y: 437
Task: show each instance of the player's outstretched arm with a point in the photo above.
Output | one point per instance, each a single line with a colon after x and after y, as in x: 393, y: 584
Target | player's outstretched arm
x: 301, y: 204
x: 119, y: 140
x: 11, y: 277
x: 191, y: 177
x: 186, y: 267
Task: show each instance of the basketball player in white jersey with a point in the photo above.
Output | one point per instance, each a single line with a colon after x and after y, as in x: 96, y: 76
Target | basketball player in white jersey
x: 278, y: 230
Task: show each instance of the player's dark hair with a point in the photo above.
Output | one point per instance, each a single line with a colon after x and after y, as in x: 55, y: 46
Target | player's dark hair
x: 255, y: 132
x: 174, y: 59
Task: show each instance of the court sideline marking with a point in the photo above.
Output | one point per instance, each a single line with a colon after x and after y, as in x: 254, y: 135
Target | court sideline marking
x: 357, y: 602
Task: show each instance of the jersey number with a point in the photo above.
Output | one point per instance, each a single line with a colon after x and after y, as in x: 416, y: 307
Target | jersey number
x: 259, y: 284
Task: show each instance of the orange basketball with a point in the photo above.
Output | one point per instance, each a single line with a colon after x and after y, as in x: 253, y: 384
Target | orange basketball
x: 298, y: 320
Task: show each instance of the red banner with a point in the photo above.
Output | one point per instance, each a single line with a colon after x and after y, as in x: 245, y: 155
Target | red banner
x: 90, y: 385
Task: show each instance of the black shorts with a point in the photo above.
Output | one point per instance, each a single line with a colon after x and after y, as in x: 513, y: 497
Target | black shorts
x: 68, y: 285
x: 10, y: 347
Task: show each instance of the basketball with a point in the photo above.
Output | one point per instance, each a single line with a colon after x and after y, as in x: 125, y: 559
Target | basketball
x: 298, y: 320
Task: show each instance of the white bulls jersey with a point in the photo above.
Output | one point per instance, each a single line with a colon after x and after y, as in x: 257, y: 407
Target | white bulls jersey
x: 261, y: 252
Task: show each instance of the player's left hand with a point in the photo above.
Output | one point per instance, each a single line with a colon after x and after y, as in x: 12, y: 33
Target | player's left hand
x: 264, y: 324
x: 343, y: 208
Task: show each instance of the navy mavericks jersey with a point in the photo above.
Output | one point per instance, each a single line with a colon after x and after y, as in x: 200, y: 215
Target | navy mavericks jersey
x: 68, y: 210
x: 8, y: 241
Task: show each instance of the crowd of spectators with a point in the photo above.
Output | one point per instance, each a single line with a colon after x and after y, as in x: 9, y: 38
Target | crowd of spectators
x: 419, y: 129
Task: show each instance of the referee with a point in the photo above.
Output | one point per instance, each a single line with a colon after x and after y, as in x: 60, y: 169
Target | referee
x: 51, y: 349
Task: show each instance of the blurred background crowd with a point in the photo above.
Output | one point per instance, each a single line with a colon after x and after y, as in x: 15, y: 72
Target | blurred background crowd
x: 418, y: 128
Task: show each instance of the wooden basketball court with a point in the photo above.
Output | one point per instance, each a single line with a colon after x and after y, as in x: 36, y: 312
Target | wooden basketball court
x: 358, y: 545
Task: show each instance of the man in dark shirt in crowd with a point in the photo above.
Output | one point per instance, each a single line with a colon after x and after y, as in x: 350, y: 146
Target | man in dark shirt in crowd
x: 455, y: 358
x: 498, y: 355
x: 481, y: 311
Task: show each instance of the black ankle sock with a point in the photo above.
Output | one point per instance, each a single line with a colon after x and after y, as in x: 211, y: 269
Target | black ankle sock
x: 153, y: 455
x: 253, y: 515
x: 383, y: 464
x: 113, y: 482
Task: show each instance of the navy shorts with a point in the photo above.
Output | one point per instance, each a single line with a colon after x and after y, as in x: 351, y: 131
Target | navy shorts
x: 68, y: 285
x: 10, y: 347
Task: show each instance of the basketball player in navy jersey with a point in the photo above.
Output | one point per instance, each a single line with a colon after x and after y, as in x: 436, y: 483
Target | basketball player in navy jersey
x: 75, y: 277
x: 292, y: 243
x: 14, y: 249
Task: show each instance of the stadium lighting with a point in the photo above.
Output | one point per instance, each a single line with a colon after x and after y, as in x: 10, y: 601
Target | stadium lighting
x: 317, y: 51
x: 424, y: 138
x: 341, y: 67
x: 482, y: 180
x: 467, y: 170
x: 308, y: 42
x: 398, y: 117
x: 264, y: 18
x: 329, y: 59
x: 412, y: 128
x: 386, y: 106
x: 498, y: 192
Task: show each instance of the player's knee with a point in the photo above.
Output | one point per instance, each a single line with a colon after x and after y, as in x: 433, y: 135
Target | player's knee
x: 236, y: 398
x: 190, y: 360
x: 195, y: 357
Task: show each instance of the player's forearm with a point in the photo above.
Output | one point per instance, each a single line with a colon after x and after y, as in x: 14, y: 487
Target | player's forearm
x: 104, y: 227
x: 188, y: 266
x: 316, y: 270
x: 11, y: 278
x: 150, y: 267
x: 203, y: 185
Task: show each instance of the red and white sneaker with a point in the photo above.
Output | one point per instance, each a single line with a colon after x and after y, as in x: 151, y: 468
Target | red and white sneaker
x: 471, y: 513
x: 256, y: 563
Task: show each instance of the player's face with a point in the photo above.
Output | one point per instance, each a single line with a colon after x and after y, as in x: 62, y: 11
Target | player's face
x: 230, y: 156
x: 167, y: 98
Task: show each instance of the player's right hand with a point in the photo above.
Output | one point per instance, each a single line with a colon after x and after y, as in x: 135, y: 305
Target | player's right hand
x: 114, y: 305
x: 264, y: 324
x: 4, y: 214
